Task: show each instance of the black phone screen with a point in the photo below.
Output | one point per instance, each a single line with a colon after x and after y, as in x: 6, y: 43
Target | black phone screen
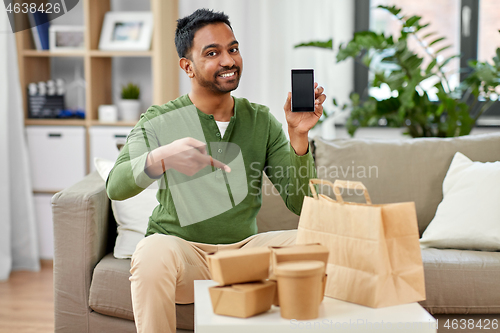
x: 302, y: 90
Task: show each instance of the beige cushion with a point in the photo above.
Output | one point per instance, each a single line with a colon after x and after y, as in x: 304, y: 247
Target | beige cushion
x: 103, y: 323
x: 459, y: 281
x: 110, y: 292
x: 110, y: 288
x: 402, y: 170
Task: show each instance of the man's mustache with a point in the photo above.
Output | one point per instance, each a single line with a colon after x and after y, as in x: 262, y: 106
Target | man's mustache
x: 225, y: 69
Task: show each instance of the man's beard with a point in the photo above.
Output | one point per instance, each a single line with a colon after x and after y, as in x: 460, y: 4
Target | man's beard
x: 217, y: 88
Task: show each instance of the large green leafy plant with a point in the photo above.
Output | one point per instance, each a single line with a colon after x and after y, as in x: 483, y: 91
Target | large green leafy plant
x: 393, y: 63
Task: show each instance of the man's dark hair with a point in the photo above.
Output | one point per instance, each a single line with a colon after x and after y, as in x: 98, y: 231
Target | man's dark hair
x: 187, y: 27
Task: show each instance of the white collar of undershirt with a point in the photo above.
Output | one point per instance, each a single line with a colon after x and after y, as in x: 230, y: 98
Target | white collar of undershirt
x: 222, y: 126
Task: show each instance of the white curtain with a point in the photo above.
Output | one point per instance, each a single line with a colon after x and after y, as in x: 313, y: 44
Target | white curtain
x: 267, y: 31
x: 18, y: 241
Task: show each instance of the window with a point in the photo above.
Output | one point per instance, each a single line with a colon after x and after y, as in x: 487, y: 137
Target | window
x: 443, y: 17
x: 470, y: 26
x: 489, y: 24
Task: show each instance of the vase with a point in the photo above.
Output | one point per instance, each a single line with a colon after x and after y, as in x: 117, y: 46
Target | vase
x: 130, y: 109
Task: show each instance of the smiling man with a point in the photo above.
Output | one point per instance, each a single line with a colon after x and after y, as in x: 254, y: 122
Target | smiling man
x: 208, y: 151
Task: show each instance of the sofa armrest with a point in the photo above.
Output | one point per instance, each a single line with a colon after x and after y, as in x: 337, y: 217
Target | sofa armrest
x: 80, y: 215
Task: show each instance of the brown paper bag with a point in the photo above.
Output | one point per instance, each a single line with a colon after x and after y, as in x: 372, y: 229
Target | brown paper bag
x: 375, y: 257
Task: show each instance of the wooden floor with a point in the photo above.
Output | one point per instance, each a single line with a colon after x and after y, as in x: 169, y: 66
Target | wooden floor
x: 27, y: 302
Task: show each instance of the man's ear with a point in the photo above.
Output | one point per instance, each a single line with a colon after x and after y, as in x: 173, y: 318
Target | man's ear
x: 187, y: 66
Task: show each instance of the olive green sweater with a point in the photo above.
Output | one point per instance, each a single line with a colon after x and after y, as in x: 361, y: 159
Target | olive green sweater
x: 212, y: 206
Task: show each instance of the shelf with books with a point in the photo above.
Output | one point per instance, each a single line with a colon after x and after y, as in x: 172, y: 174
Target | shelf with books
x: 39, y: 22
x: 39, y: 65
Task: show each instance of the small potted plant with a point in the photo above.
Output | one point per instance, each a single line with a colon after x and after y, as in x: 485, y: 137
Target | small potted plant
x: 130, y: 106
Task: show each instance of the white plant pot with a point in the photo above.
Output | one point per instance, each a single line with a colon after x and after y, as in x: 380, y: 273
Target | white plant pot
x: 130, y: 109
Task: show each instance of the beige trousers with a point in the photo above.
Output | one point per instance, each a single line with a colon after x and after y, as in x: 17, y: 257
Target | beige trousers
x: 164, y: 268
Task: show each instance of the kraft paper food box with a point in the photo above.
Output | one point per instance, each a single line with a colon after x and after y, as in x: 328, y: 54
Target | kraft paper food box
x: 243, y: 300
x: 300, y: 288
x: 239, y: 266
x: 276, y: 300
x: 298, y: 253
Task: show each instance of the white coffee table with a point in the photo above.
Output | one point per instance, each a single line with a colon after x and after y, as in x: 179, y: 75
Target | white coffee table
x: 334, y: 316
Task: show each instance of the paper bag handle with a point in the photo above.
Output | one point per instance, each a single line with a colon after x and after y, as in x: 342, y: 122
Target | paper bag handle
x: 337, y: 185
x: 352, y: 185
x: 312, y: 182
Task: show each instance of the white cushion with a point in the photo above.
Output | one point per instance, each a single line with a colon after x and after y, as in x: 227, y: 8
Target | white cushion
x: 131, y: 215
x: 468, y: 217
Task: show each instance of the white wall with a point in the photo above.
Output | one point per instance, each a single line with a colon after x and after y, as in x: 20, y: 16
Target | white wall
x: 267, y: 31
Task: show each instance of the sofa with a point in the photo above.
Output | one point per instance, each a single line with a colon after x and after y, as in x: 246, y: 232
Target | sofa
x: 92, y: 290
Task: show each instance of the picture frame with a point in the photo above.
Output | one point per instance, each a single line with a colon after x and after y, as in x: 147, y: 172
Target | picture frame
x: 64, y: 38
x: 126, y: 31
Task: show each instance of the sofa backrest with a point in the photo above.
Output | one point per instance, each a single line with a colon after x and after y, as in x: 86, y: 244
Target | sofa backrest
x: 401, y: 170
x: 273, y: 214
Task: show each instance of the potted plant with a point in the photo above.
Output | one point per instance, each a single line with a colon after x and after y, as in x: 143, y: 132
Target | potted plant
x: 129, y: 105
x: 401, y: 69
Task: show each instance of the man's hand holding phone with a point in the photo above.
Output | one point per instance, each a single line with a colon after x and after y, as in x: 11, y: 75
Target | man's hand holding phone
x: 303, y: 108
x: 302, y: 122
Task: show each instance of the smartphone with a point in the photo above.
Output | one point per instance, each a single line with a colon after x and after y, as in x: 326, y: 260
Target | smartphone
x: 302, y: 90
